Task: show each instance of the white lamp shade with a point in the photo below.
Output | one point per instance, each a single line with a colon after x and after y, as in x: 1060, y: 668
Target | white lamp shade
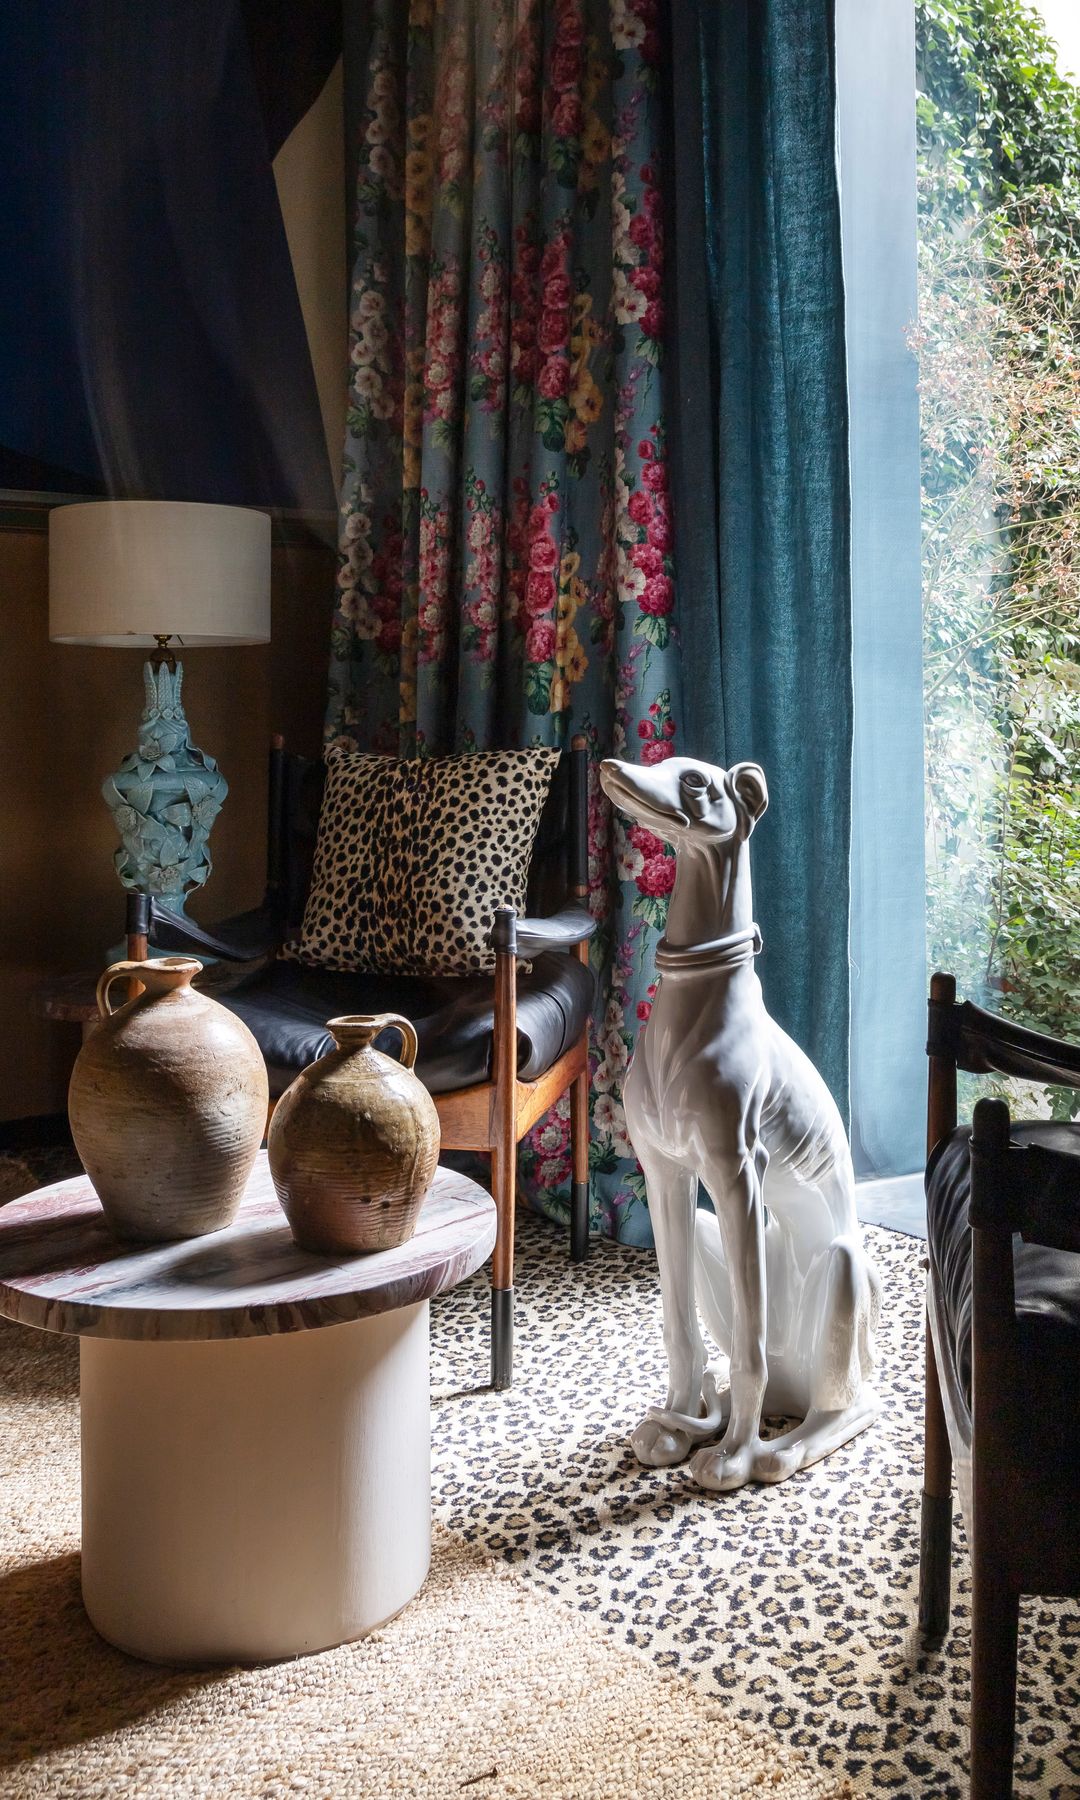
x: 123, y: 572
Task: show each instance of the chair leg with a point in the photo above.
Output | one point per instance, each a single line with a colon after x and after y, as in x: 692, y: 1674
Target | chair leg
x: 579, y: 1149
x: 503, y: 1171
x: 995, y: 1612
x: 935, y: 1551
x: 504, y: 1148
x: 502, y: 1338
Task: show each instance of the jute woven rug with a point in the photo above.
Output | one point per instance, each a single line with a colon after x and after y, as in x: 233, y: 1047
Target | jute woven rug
x: 481, y: 1687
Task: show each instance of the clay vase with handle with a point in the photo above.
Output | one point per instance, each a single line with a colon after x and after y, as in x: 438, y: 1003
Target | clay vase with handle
x: 354, y: 1142
x: 167, y: 1104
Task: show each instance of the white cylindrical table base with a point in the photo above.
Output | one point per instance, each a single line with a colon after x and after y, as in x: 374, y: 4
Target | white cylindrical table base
x: 255, y: 1497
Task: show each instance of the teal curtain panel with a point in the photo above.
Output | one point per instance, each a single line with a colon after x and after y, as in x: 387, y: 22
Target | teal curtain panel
x: 759, y: 445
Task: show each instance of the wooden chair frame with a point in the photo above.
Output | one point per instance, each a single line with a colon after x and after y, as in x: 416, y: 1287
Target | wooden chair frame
x: 494, y: 1116
x: 988, y: 1449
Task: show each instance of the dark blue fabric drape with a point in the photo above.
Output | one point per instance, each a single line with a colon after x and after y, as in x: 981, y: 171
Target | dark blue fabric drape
x: 152, y: 342
x: 760, y: 461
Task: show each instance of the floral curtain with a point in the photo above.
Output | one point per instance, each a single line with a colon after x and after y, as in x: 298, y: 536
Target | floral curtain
x: 506, y: 568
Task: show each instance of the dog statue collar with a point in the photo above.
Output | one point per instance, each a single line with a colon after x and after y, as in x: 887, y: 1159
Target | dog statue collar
x: 720, y: 953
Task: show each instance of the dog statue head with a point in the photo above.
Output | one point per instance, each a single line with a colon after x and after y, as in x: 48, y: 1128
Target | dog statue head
x: 684, y: 800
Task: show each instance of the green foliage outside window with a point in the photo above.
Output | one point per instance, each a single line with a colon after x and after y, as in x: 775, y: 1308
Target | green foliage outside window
x: 999, y: 346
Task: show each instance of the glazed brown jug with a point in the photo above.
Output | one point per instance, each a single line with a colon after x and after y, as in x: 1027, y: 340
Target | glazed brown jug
x: 354, y: 1142
x: 167, y: 1105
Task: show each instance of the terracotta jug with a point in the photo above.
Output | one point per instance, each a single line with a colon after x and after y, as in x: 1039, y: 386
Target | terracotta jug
x: 354, y: 1142
x: 167, y: 1103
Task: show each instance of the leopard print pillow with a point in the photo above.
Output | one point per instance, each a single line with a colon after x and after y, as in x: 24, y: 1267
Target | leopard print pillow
x: 413, y: 857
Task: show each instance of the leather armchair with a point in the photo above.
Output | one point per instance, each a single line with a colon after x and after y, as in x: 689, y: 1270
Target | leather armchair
x: 496, y: 1053
x: 1002, y: 1356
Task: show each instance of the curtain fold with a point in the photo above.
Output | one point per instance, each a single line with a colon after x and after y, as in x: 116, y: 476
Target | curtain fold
x: 507, y: 571
x: 760, y: 469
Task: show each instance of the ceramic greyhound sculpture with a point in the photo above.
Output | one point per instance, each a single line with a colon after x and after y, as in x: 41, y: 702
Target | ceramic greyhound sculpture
x: 717, y: 1093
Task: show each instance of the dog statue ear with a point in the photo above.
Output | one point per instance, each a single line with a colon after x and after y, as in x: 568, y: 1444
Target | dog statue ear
x: 747, y: 783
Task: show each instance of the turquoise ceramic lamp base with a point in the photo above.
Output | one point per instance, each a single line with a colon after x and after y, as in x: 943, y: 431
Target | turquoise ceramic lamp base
x: 165, y: 796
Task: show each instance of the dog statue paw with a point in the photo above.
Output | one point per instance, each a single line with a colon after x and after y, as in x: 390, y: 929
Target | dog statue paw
x: 667, y: 1435
x: 718, y: 1094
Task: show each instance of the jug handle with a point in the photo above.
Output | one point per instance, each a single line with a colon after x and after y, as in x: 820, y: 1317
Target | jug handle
x: 409, y: 1042
x: 115, y: 972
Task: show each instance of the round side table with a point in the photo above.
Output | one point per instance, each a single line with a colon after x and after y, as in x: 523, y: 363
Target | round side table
x: 256, y: 1440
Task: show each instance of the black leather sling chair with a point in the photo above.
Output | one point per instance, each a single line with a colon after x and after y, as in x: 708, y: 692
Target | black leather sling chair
x: 1002, y: 1356
x: 495, y: 1053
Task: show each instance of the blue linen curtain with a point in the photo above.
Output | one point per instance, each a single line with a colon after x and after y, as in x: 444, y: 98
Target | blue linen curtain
x: 506, y: 539
x: 760, y: 469
x: 876, y: 122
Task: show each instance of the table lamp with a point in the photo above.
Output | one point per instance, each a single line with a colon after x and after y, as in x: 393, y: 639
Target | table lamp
x: 138, y: 574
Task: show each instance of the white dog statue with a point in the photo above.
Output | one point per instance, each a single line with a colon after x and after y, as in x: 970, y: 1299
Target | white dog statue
x: 717, y: 1093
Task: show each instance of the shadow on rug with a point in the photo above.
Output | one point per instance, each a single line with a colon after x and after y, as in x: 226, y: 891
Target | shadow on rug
x: 22, y: 1171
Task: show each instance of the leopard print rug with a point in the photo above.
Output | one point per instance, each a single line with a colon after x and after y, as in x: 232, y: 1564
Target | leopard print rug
x: 797, y: 1604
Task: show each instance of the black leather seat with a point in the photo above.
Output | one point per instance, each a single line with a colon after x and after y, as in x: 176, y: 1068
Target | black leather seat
x: 1046, y: 1282
x: 287, y: 1006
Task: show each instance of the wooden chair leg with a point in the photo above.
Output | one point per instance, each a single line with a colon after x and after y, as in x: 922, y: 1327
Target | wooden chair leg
x: 579, y: 1148
x: 504, y: 1152
x: 935, y: 1550
x: 503, y: 1186
x: 995, y: 1613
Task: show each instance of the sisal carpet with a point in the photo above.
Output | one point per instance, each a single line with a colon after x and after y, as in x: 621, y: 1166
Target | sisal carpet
x: 482, y: 1686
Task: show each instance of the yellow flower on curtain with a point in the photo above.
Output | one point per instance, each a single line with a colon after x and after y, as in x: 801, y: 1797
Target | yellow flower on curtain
x: 595, y: 141
x: 571, y: 661
x: 417, y: 234
x: 410, y: 467
x: 597, y: 70
x: 587, y: 400
x: 419, y: 174
x: 418, y: 170
x: 407, y: 674
x: 576, y: 660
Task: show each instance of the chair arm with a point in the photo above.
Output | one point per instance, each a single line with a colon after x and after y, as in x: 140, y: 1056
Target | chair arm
x: 984, y: 1043
x: 247, y: 937
x: 572, y: 924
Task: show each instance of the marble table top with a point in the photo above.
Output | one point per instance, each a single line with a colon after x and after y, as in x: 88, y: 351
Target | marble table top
x: 61, y: 1270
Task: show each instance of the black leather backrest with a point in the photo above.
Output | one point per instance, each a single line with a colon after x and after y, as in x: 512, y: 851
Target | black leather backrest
x: 549, y: 869
x: 984, y: 1043
x: 301, y: 789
